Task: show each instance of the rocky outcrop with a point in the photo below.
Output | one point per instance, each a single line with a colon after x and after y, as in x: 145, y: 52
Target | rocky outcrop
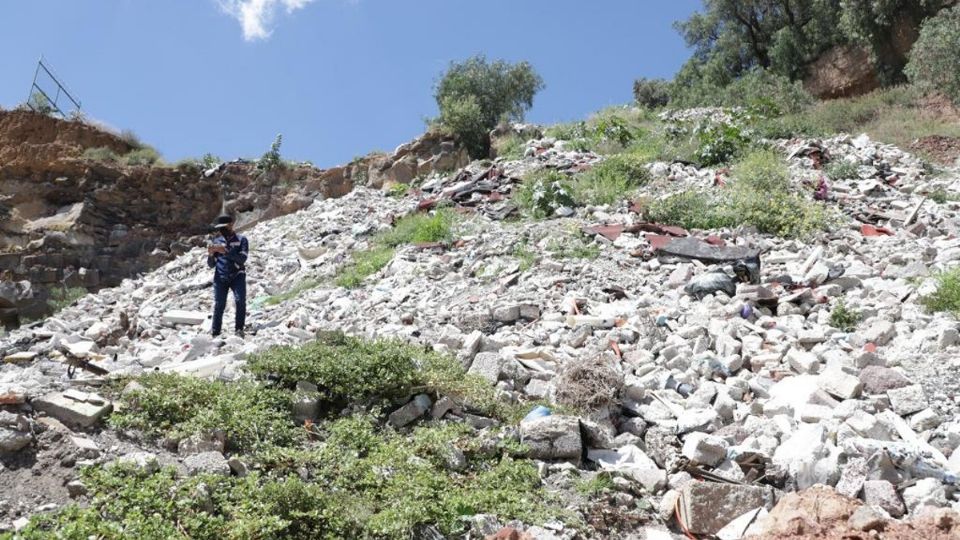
x: 843, y: 71
x: 433, y: 152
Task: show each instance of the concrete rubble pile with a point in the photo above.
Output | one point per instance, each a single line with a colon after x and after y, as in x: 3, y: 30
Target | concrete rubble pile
x: 754, y: 393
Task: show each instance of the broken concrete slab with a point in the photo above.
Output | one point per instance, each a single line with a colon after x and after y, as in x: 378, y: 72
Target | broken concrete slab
x: 416, y: 408
x: 76, y: 412
x: 552, y: 437
x: 175, y: 317
x: 706, y: 507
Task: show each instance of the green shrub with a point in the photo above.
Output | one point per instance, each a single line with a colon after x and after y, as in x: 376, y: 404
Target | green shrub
x: 271, y: 159
x: 762, y: 170
x: 759, y: 196
x: 398, y: 190
x: 62, y: 298
x: 942, y: 196
x: 935, y: 57
x: 719, y: 143
x: 690, y: 209
x: 143, y: 156
x: 474, y: 95
x: 250, y: 415
x: 842, y: 169
x: 651, y: 93
x: 947, y: 296
x: 611, y: 180
x: 420, y: 228
x: 844, y: 318
x: 363, y: 264
x: 758, y: 91
x: 102, y: 154
x: 543, y: 192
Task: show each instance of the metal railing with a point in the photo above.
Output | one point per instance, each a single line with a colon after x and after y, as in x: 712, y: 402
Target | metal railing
x: 48, y: 95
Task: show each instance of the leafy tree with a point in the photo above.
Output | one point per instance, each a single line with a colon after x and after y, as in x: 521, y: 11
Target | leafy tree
x: 935, y: 58
x: 651, y: 93
x: 474, y: 95
x: 732, y: 37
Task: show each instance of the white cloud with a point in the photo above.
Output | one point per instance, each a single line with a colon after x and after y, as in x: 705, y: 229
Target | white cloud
x: 256, y: 16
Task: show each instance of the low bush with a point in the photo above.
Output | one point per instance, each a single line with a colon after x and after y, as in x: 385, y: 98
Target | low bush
x: 947, y: 296
x: 543, y: 192
x: 248, y: 414
x: 760, y: 196
x: 362, y: 483
x: 271, y: 159
x: 349, y: 369
x: 588, y: 385
x: 141, y: 157
x: 719, y: 142
x: 611, y: 180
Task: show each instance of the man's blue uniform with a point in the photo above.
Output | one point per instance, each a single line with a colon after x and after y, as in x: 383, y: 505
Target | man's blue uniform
x: 230, y: 274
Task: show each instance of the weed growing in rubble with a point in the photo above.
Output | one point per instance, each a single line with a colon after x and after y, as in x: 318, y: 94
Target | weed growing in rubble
x: 362, y: 482
x: 843, y: 318
x: 510, y: 147
x: 842, y: 169
x: 525, y: 255
x: 419, y: 228
x: 942, y: 196
x: 595, y: 484
x: 249, y: 415
x: 398, y: 190
x: 947, y: 295
x: 363, y: 264
x: 271, y: 158
x: 611, y: 181
x: 295, y: 292
x: 62, y: 298
x: 143, y: 156
x: 543, y: 192
x: 573, y: 248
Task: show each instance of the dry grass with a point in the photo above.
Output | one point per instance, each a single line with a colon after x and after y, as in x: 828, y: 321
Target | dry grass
x: 589, y: 384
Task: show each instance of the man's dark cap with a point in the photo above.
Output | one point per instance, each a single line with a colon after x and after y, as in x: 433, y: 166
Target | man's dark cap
x: 222, y: 221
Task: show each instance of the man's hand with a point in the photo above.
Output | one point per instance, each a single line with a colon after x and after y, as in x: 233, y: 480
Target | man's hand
x: 211, y: 250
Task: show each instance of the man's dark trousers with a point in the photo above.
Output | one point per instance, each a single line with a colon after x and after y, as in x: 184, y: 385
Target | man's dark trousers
x: 237, y: 284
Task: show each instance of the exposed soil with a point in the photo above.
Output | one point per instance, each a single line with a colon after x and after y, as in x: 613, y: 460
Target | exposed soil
x: 940, y: 148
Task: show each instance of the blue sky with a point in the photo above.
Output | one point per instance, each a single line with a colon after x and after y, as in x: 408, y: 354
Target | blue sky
x: 338, y: 78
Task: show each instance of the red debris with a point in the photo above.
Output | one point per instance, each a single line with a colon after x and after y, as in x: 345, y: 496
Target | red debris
x: 495, y: 196
x: 715, y: 240
x: 610, y: 232
x: 870, y: 230
x: 658, y: 241
x: 870, y: 347
x: 426, y: 204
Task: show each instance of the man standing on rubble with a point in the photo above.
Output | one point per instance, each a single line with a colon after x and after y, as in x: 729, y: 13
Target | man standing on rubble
x: 228, y: 255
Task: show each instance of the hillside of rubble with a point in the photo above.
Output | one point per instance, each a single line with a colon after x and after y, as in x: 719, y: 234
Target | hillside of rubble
x: 648, y: 325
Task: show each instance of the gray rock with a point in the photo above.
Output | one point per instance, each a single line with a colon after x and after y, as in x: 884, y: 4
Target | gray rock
x: 865, y: 519
x: 927, y: 492
x: 907, y: 400
x: 207, y: 463
x: 413, y: 410
x: 880, y: 332
x: 552, y: 437
x: 882, y: 494
x: 12, y: 440
x: 878, y: 379
x: 487, y: 365
x: 703, y: 449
